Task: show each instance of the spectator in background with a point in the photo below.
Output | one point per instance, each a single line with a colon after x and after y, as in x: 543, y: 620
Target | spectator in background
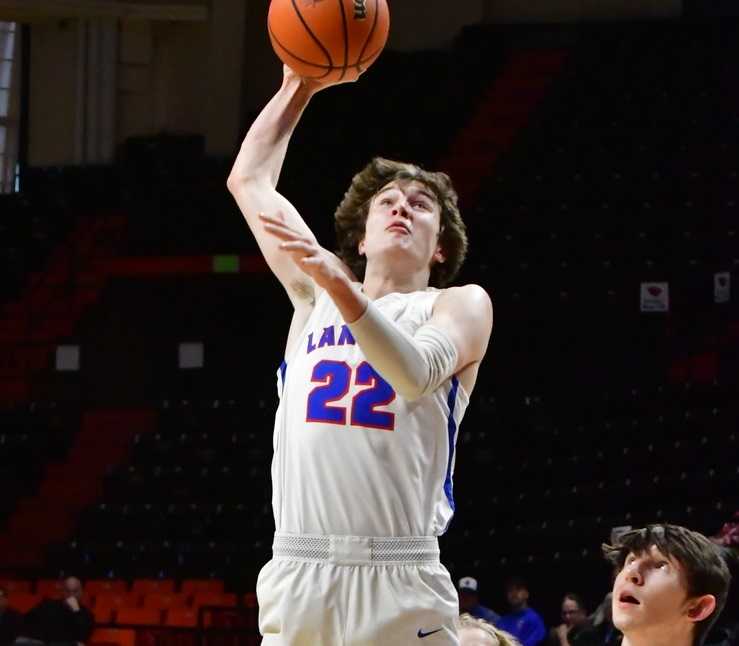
x: 10, y: 620
x: 671, y: 586
x: 478, y: 632
x: 469, y: 601
x: 61, y: 621
x: 522, y: 622
x: 575, y: 629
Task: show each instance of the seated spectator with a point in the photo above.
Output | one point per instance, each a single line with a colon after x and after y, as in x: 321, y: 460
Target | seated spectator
x: 575, y: 629
x: 671, y: 586
x: 478, y: 632
x: 60, y: 621
x: 522, y: 622
x: 469, y: 601
x: 10, y: 620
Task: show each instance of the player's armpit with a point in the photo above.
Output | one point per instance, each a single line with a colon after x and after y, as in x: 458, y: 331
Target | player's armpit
x: 466, y: 315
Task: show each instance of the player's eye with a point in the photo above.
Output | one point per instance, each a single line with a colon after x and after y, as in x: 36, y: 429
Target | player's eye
x: 386, y: 201
x: 661, y: 565
x: 421, y: 205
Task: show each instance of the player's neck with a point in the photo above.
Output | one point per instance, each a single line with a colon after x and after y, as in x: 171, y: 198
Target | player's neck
x: 659, y: 637
x: 378, y: 283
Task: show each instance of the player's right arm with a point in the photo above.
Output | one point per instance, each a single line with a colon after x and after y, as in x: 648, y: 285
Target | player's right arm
x: 253, y: 182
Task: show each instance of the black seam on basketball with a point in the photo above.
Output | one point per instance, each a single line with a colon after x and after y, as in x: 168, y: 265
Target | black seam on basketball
x: 369, y: 37
x: 346, y: 39
x: 311, y: 34
x: 328, y: 68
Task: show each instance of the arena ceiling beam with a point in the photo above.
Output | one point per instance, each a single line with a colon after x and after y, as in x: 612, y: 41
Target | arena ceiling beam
x: 38, y: 10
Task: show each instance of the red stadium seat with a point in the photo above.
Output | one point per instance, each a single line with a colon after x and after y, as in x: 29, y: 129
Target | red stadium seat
x: 139, y: 617
x: 24, y: 601
x: 103, y: 614
x: 105, y: 586
x: 225, y: 599
x: 250, y: 600
x: 149, y: 586
x: 165, y: 601
x: 113, y: 637
x: 181, y: 618
x: 13, y: 586
x: 118, y: 599
x: 198, y: 586
x: 49, y: 588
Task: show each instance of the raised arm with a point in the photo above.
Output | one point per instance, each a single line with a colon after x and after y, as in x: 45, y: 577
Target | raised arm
x: 254, y: 176
x: 453, y: 341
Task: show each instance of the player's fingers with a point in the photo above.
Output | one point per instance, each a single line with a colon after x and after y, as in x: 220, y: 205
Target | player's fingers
x: 311, y: 260
x: 298, y: 245
x: 282, y: 232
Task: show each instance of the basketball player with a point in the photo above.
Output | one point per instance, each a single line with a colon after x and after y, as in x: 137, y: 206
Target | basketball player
x: 375, y: 381
x: 671, y: 586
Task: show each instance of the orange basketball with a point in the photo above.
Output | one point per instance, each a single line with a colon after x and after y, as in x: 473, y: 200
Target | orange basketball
x: 331, y: 40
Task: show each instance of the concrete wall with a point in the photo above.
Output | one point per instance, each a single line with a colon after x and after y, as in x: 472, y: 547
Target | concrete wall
x: 53, y: 93
x: 171, y: 77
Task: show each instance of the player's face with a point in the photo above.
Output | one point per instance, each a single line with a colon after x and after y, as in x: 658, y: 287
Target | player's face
x: 650, y: 594
x: 404, y: 221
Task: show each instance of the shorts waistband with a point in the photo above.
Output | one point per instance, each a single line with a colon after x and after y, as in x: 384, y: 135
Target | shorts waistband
x: 356, y: 550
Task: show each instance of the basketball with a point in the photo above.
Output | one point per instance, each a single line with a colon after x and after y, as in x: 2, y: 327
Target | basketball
x: 329, y: 40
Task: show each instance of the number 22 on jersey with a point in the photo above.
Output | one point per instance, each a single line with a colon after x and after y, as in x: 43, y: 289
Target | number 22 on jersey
x: 334, y: 379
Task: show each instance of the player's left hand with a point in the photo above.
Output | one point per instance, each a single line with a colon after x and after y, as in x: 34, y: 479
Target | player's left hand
x: 324, y: 267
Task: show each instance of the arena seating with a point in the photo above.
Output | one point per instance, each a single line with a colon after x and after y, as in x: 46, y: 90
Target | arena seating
x: 589, y: 414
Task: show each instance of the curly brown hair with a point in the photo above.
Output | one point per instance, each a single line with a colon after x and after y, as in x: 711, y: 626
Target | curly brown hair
x: 351, y: 216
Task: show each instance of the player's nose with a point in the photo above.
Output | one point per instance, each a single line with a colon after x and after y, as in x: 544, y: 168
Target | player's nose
x: 401, y: 208
x: 634, y: 574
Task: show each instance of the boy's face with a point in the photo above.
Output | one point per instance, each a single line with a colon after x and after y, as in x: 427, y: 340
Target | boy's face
x: 403, y: 225
x: 650, y: 596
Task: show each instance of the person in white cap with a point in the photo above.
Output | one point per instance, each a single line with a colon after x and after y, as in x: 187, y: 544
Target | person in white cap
x: 469, y: 601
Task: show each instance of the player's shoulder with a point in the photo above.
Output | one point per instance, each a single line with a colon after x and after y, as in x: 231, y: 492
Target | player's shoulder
x: 471, y: 296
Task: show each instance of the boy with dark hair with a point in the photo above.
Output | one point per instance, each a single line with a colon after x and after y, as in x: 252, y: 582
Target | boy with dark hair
x: 671, y: 586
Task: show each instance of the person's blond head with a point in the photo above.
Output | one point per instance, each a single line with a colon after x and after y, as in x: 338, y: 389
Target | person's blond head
x: 478, y: 632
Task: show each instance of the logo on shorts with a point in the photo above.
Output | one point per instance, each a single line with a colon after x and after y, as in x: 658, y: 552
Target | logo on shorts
x: 422, y: 634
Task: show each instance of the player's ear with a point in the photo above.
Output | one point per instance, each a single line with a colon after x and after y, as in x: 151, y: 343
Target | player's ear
x: 439, y: 255
x: 701, y: 608
x: 360, y: 247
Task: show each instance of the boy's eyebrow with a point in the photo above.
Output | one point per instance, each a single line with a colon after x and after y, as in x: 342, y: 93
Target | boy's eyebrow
x: 389, y: 187
x: 427, y: 194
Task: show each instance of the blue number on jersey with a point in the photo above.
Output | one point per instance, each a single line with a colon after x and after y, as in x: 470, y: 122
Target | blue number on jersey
x: 364, y: 403
x: 335, y: 377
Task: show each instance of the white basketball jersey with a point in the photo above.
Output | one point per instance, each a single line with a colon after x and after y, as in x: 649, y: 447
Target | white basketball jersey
x: 351, y: 457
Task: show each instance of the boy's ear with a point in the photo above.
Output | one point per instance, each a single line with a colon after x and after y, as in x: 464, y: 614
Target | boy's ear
x: 701, y: 608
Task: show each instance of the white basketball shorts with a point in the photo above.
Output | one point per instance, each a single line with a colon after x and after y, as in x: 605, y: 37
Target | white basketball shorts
x: 356, y: 591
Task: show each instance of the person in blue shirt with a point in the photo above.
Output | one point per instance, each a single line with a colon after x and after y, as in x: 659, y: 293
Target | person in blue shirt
x: 522, y: 622
x: 469, y: 601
